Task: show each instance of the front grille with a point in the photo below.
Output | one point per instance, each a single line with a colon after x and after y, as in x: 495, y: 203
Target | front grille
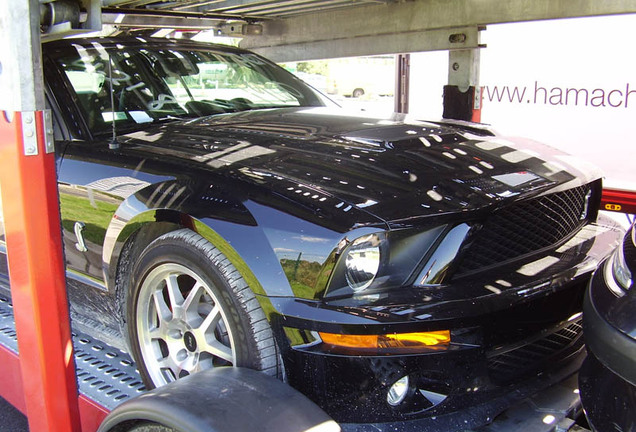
x: 526, y: 227
x: 505, y: 366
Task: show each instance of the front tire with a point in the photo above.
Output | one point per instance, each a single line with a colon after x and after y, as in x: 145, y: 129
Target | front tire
x: 189, y: 309
x: 357, y: 93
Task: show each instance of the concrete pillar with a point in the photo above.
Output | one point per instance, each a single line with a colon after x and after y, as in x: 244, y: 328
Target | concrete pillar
x: 462, y: 95
x: 402, y: 83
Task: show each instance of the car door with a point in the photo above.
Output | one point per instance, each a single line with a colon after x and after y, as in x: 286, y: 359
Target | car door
x: 93, y: 181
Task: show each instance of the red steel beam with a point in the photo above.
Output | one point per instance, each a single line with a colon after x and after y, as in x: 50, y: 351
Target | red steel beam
x: 36, y: 270
x: 91, y: 413
x: 11, y: 379
x: 618, y: 200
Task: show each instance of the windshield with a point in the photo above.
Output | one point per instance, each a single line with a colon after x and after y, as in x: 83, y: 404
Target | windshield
x: 150, y: 85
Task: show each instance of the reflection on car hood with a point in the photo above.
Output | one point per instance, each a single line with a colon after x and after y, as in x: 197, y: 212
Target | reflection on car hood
x: 396, y: 169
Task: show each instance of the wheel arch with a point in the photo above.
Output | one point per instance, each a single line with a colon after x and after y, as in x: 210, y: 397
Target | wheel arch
x: 144, y: 228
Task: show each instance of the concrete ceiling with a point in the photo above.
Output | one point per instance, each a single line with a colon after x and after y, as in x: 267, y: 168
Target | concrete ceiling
x: 288, y: 30
x: 264, y: 9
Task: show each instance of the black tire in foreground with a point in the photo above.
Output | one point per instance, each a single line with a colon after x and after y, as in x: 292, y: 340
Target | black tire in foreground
x: 150, y: 427
x: 189, y: 309
x: 249, y: 401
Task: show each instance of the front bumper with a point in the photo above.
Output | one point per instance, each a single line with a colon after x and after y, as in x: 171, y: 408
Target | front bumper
x: 514, y: 333
x: 490, y: 406
x: 466, y: 385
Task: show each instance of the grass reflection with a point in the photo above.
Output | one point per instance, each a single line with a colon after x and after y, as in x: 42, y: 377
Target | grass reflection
x: 96, y: 214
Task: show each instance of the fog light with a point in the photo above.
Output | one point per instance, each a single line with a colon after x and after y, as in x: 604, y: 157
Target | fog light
x: 398, y: 391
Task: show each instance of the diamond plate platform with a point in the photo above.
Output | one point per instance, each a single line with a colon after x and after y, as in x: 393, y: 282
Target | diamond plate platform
x: 105, y: 374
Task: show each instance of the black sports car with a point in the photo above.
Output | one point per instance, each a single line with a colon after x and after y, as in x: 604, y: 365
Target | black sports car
x: 218, y: 211
x: 608, y: 377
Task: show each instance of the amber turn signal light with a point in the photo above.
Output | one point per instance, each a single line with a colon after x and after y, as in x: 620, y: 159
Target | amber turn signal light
x: 390, y: 342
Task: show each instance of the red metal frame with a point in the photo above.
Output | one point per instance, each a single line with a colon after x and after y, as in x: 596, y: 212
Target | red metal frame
x: 38, y: 284
x: 91, y: 414
x: 618, y: 200
x: 478, y: 101
x: 11, y: 379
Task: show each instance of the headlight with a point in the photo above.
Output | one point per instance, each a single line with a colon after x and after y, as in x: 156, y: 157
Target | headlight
x: 621, y: 273
x: 362, y: 262
x: 372, y: 262
x: 617, y: 274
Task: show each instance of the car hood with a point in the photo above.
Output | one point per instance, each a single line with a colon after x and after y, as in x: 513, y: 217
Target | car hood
x: 396, y: 169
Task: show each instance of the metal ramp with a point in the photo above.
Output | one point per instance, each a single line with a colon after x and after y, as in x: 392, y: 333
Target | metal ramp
x: 105, y: 374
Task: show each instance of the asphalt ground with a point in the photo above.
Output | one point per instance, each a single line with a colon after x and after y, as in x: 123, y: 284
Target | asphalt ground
x: 12, y: 420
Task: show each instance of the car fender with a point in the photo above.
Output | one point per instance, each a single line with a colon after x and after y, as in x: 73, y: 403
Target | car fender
x: 245, y: 246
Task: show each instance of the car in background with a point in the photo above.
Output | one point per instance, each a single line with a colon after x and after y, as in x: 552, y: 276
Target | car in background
x: 359, y: 76
x: 403, y: 274
x: 317, y: 81
x: 607, y: 379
